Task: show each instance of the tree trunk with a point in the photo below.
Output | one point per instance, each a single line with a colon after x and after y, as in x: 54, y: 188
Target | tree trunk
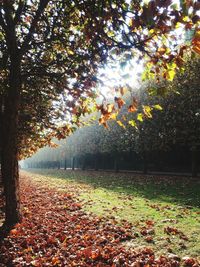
x: 1, y: 117
x: 83, y: 164
x: 96, y: 159
x: 145, y: 163
x: 73, y: 163
x: 9, y: 167
x: 104, y: 161
x: 116, y: 163
x: 194, y: 162
x: 65, y: 166
x: 58, y: 165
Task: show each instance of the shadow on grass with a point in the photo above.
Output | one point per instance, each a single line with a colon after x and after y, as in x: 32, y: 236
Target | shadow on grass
x: 172, y: 189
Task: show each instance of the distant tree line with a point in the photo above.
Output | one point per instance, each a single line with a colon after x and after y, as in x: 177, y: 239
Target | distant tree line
x: 166, y: 136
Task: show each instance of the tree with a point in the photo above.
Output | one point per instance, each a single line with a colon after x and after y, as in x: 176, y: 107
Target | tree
x: 182, y: 110
x: 51, y: 50
x: 177, y: 123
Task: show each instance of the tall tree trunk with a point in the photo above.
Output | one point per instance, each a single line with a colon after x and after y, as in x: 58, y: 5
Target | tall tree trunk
x: 65, y: 164
x: 9, y: 167
x: 116, y: 163
x: 58, y: 165
x: 145, y: 163
x: 96, y: 162
x: 83, y: 164
x: 73, y: 163
x: 1, y: 117
x: 103, y: 162
x: 194, y: 162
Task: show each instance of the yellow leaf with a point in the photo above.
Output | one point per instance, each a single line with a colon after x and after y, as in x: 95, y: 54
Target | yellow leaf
x: 152, y: 31
x: 147, y: 111
x: 170, y: 75
x: 133, y: 123
x: 186, y: 18
x: 140, y: 117
x: 110, y: 107
x: 70, y: 52
x: 113, y: 116
x: 157, y: 106
x: 121, y: 124
x: 178, y: 25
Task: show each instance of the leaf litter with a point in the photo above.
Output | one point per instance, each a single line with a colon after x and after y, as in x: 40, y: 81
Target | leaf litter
x: 56, y: 231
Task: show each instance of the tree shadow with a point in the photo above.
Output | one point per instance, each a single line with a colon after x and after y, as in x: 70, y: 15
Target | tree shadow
x: 172, y: 189
x: 4, y: 232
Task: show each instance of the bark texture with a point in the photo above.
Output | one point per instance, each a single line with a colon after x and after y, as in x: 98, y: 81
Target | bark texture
x: 9, y: 166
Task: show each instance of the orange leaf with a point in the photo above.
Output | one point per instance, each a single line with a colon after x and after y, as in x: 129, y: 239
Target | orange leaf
x: 122, y: 90
x: 14, y: 232
x: 120, y: 102
x: 132, y: 108
x: 196, y: 42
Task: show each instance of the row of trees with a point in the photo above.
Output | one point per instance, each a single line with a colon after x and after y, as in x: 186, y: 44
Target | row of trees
x: 51, y: 51
x: 167, y: 128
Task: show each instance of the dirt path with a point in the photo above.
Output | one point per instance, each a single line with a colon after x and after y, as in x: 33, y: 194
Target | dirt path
x: 56, y: 232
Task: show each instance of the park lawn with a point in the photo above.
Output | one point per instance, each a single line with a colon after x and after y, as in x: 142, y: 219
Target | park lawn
x: 163, y: 212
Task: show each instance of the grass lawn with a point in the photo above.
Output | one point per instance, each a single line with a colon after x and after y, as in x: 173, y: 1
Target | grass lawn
x: 163, y: 212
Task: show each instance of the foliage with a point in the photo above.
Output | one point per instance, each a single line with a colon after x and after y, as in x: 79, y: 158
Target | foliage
x: 178, y: 122
x: 174, y: 121
x: 62, y: 43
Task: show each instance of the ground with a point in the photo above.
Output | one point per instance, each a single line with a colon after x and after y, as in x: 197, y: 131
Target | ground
x: 105, y: 219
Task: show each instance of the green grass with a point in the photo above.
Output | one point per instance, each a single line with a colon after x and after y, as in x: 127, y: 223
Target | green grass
x: 164, y: 201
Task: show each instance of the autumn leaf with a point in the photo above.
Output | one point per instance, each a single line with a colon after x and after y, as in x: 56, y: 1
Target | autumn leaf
x: 140, y: 117
x: 55, y: 261
x: 147, y: 111
x: 170, y: 75
x: 110, y: 108
x: 132, y: 108
x: 14, y: 232
x: 121, y: 124
x: 122, y: 90
x: 132, y: 123
x: 120, y: 102
x: 157, y: 106
x: 196, y: 42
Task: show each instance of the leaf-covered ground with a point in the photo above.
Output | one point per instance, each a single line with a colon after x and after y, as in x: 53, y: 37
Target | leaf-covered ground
x: 66, y: 223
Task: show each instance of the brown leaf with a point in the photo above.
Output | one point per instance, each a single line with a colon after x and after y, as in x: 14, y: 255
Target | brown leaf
x: 120, y: 102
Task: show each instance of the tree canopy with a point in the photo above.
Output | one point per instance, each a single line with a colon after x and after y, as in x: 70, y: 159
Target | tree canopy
x: 174, y: 123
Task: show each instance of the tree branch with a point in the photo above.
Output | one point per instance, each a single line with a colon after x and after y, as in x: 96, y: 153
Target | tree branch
x: 2, y: 23
x: 19, y: 12
x: 40, y: 10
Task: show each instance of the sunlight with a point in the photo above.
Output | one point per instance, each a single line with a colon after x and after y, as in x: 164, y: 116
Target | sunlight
x: 120, y: 75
